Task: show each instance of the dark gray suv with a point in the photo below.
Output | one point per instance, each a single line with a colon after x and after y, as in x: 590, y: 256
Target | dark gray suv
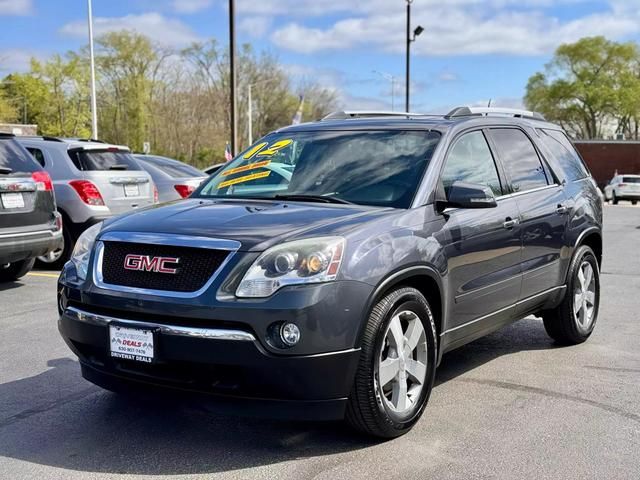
x: 333, y: 291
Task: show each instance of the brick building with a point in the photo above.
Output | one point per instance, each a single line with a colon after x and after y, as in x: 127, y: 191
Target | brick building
x: 605, y: 157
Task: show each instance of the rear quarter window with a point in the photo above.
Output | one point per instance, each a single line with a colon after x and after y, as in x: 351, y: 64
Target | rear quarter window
x: 14, y: 158
x: 565, y: 154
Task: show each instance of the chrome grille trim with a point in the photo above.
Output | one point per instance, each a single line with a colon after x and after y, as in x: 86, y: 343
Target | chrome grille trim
x: 168, y: 239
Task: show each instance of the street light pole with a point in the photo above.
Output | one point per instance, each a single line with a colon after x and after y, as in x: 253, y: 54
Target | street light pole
x: 418, y: 30
x: 233, y: 79
x: 94, y: 108
x: 408, y: 60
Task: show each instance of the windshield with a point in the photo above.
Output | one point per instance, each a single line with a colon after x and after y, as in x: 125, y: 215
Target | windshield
x: 379, y: 168
x: 95, y: 160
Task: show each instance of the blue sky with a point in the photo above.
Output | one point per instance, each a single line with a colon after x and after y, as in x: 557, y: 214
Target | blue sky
x: 471, y: 51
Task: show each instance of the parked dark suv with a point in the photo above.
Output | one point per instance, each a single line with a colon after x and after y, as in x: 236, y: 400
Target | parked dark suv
x: 333, y: 291
x: 29, y: 223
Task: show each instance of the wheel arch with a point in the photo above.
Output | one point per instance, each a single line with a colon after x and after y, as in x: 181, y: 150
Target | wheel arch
x: 423, y: 278
x: 592, y: 238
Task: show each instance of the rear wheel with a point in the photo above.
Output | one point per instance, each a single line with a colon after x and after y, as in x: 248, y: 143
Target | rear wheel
x: 634, y: 202
x: 56, y: 259
x: 16, y: 270
x: 397, y: 366
x: 573, y: 321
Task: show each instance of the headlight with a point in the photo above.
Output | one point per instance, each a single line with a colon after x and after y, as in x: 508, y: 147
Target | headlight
x: 313, y: 260
x: 82, y: 250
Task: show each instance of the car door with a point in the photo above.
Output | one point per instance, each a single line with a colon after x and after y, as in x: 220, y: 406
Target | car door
x: 482, y: 246
x: 543, y: 210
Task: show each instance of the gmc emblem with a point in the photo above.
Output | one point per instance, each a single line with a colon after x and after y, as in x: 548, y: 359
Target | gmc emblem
x: 147, y: 263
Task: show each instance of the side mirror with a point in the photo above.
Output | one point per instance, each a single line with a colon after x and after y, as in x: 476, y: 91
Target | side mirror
x: 470, y: 195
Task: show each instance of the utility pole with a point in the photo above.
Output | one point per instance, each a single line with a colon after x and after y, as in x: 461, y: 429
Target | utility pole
x: 392, y: 79
x: 418, y: 30
x: 250, y: 115
x: 233, y: 79
x: 94, y: 108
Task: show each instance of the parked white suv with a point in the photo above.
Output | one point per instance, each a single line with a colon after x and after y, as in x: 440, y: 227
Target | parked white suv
x: 92, y: 181
x: 623, y: 187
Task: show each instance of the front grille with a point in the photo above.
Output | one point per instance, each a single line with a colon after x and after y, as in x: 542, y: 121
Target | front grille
x: 194, y: 269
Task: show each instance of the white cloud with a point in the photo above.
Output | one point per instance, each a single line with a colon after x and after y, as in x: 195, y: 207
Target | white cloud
x: 165, y: 31
x: 190, y: 6
x: 16, y: 7
x: 256, y: 27
x: 15, y: 60
x: 460, y: 27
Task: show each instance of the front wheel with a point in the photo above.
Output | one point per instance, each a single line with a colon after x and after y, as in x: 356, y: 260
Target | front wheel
x: 397, y: 366
x: 614, y: 199
x: 573, y: 321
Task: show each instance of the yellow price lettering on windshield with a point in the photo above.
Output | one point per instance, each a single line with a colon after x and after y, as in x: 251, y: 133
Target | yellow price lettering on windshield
x: 246, y: 178
x: 254, y: 150
x: 245, y: 168
x: 275, y: 148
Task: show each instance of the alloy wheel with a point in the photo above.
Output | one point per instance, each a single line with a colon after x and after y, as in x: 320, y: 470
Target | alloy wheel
x: 584, y: 296
x: 402, y: 364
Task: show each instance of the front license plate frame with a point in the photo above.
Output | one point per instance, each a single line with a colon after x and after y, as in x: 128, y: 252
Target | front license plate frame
x: 131, y: 343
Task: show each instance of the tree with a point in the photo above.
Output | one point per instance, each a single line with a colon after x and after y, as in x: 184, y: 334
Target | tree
x: 8, y: 112
x: 587, y: 85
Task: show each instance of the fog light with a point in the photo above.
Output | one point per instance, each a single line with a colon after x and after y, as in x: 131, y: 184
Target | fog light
x: 290, y: 334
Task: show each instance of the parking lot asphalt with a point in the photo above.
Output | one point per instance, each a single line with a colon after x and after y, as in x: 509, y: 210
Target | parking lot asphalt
x: 512, y: 405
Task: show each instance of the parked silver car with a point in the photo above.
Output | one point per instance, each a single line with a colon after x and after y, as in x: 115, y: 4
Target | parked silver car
x: 174, y: 179
x: 623, y: 187
x: 92, y: 181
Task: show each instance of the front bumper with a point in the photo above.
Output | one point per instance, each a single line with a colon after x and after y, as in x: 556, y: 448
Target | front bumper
x: 227, y: 365
x: 17, y: 246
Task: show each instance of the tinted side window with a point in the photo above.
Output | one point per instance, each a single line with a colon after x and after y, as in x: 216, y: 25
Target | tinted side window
x: 37, y: 154
x: 520, y: 159
x: 14, y: 158
x: 564, y: 152
x: 470, y: 160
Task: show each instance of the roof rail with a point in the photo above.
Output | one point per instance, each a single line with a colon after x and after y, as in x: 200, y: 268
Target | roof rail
x: 497, y: 111
x: 347, y: 114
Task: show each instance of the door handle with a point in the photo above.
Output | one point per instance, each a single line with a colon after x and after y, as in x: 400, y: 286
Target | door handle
x: 509, y: 223
x: 561, y: 209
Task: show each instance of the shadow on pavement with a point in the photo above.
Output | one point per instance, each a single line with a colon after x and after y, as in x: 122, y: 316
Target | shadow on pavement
x: 59, y: 420
x: 11, y: 285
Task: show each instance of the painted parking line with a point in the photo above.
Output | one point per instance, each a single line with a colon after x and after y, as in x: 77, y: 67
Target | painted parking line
x: 38, y: 274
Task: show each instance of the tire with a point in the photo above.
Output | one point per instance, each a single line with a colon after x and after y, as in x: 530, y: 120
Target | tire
x: 634, y: 202
x: 67, y: 248
x: 369, y: 410
x: 614, y: 199
x: 564, y: 324
x: 16, y: 270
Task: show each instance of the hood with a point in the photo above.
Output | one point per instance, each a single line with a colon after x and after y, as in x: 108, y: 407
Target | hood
x: 257, y: 225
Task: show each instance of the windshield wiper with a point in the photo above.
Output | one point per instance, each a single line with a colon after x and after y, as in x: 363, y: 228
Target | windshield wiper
x: 6, y: 170
x: 119, y: 166
x: 313, y: 198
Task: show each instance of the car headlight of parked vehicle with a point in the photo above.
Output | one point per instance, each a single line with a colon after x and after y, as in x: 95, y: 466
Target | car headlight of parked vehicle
x: 313, y: 260
x: 82, y: 250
